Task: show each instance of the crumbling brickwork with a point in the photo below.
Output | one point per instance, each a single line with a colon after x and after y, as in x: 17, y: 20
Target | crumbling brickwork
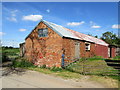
x: 44, y: 50
x: 48, y: 50
x: 69, y: 47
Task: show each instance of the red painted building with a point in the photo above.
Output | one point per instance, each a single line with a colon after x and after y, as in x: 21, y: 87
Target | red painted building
x: 48, y: 43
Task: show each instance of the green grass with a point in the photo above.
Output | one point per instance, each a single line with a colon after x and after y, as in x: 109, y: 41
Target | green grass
x: 95, y: 58
x: 9, y: 54
x: 68, y: 74
x: 86, y: 67
x: 64, y: 73
x: 53, y: 70
x: 93, y: 67
x: 116, y: 58
x: 22, y: 63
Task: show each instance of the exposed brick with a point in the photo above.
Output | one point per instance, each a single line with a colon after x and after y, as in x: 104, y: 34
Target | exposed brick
x: 48, y: 50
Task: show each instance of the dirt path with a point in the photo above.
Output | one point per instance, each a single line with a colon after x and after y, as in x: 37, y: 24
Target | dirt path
x: 33, y: 79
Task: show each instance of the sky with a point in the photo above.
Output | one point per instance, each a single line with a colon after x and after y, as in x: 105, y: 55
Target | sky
x: 20, y: 18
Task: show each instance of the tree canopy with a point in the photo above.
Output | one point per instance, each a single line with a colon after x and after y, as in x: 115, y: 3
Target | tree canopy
x: 111, y: 38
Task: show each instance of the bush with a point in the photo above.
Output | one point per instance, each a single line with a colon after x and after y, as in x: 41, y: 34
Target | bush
x: 22, y: 63
x: 4, y: 57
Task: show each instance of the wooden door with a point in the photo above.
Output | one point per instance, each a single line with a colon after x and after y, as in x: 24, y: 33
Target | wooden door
x: 77, y: 50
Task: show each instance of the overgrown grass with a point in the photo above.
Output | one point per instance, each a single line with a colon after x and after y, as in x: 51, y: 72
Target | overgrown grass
x: 53, y: 70
x: 74, y: 73
x: 93, y: 67
x: 84, y: 67
x: 95, y: 58
x: 116, y: 58
x: 22, y: 63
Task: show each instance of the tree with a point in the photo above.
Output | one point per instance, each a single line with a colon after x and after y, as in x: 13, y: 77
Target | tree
x: 96, y: 36
x: 110, y: 38
x: 93, y: 36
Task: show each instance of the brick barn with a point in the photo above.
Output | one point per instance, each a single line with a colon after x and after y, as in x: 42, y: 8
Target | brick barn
x: 54, y: 45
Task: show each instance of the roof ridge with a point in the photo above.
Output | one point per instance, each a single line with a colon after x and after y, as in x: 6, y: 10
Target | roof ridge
x: 75, y: 34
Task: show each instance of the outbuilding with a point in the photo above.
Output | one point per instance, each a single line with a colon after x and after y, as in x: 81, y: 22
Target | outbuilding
x: 54, y: 45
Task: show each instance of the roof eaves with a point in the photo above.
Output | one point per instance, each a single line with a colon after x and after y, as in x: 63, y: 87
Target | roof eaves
x: 77, y: 39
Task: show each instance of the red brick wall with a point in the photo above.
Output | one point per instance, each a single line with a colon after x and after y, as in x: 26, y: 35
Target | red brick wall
x: 101, y: 50
x: 113, y: 52
x: 44, y: 50
x: 85, y: 53
x: 48, y: 50
x: 69, y: 46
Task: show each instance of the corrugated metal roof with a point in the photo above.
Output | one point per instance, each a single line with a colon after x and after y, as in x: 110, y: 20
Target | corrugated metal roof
x: 62, y: 31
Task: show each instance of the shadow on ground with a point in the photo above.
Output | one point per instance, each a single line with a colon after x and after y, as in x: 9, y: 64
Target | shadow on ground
x: 8, y: 69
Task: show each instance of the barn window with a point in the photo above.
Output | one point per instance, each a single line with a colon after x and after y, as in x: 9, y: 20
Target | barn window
x: 42, y: 32
x: 87, y: 46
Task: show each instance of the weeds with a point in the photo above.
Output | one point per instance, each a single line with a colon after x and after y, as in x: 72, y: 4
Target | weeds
x: 116, y: 58
x: 93, y: 67
x: 22, y: 63
x: 56, y: 69
x: 83, y: 67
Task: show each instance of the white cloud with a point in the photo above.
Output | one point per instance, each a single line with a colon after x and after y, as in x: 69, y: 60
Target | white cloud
x: 115, y: 26
x: 48, y: 10
x: 2, y: 33
x: 32, y: 17
x: 95, y: 26
x: 75, y: 23
x: 12, y: 19
x: 13, y: 16
x: 22, y: 30
x: 13, y: 13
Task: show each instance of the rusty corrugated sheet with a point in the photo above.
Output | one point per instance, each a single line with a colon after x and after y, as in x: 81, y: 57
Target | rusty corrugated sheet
x: 62, y: 31
x: 88, y: 38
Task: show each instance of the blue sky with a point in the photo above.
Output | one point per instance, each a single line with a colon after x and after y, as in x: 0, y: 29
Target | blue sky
x: 18, y: 19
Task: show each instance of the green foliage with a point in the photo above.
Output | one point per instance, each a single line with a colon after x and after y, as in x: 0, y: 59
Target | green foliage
x: 93, y: 36
x: 56, y: 69
x: 111, y: 38
x: 43, y: 66
x: 9, y: 53
x: 4, y: 57
x: 116, y: 58
x: 22, y: 63
x: 95, y: 58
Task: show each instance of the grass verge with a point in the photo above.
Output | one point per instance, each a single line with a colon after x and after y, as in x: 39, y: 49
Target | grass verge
x: 71, y: 74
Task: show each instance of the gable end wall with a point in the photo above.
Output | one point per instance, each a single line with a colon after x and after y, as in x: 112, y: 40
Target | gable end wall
x: 44, y: 50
